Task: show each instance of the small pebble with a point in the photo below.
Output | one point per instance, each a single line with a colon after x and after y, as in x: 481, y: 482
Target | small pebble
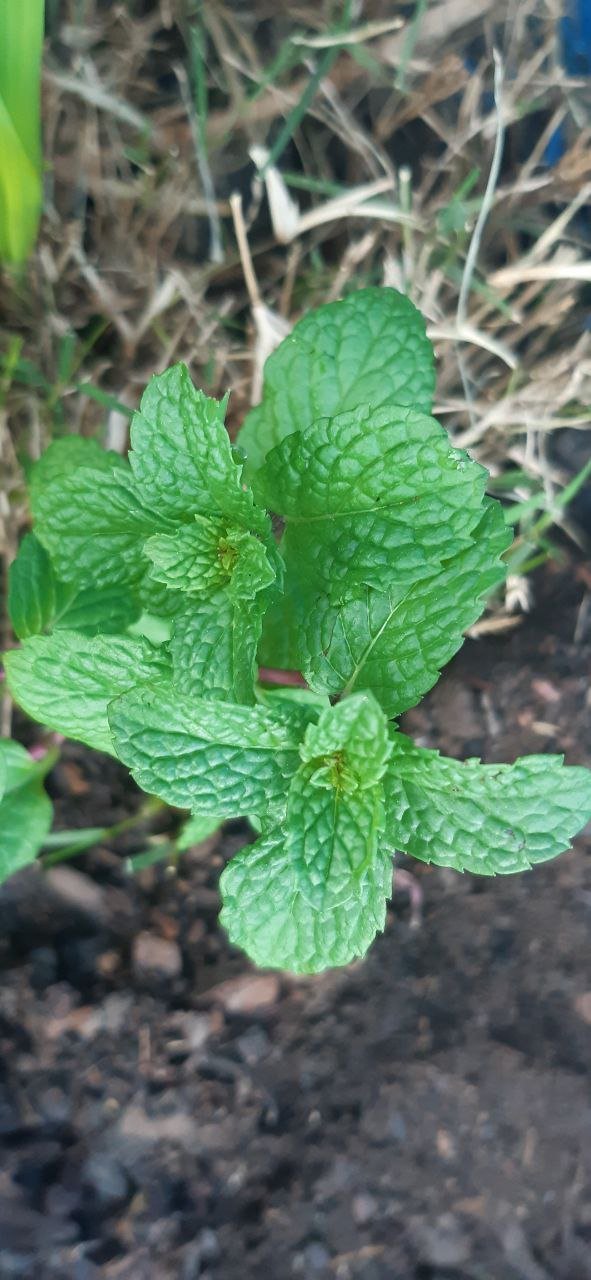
x: 316, y: 1257
x: 247, y: 993
x: 195, y: 1029
x: 363, y: 1208
x: 105, y: 1183
x: 78, y: 892
x: 149, y: 1130
x: 153, y: 956
x: 253, y: 1045
x: 440, y: 1243
x: 583, y: 1006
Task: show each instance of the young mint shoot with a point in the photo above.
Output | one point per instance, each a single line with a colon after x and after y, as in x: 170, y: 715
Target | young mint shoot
x: 153, y: 592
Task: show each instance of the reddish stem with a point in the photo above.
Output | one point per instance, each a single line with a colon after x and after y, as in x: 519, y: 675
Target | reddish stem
x: 272, y: 675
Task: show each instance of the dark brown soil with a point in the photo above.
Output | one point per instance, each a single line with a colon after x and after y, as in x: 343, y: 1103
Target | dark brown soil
x: 424, y: 1115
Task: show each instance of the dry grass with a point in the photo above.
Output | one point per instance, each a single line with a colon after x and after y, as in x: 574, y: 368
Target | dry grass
x: 382, y: 146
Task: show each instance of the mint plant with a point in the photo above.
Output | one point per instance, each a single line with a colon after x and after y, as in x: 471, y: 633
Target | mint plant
x: 342, y: 538
x: 25, y: 808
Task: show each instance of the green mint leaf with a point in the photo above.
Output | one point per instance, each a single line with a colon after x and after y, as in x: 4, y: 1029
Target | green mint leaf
x: 93, y: 524
x: 281, y: 646
x: 196, y: 829
x: 66, y: 456
x: 38, y: 602
x: 66, y: 680
x: 266, y: 913
x: 189, y: 559
x: 152, y: 627
x: 94, y: 612
x: 158, y: 600
x: 368, y: 349
x: 213, y: 648
x: 490, y: 819
x: 331, y: 835
x: 208, y: 554
x: 25, y: 819
x: 32, y: 589
x: 314, y: 894
x: 349, y: 746
x: 372, y: 496
x: 214, y: 641
x: 181, y: 453
x: 395, y: 642
x: 209, y: 757
x: 249, y: 568
x: 303, y: 702
x: 17, y: 767
x: 3, y: 769
x: 25, y: 808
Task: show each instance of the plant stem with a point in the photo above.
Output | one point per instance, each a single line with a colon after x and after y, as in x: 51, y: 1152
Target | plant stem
x: 92, y: 836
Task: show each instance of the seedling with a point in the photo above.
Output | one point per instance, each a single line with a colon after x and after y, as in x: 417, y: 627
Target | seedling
x: 155, y: 594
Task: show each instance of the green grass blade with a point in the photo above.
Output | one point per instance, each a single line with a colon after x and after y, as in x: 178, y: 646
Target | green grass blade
x: 21, y: 46
x: 296, y: 115
x: 21, y: 43
x: 20, y: 194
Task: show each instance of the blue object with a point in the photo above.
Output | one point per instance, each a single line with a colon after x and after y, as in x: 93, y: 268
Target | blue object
x: 575, y: 49
x: 555, y: 147
x: 575, y: 35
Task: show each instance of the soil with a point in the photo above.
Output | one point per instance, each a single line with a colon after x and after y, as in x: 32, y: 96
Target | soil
x: 165, y: 1111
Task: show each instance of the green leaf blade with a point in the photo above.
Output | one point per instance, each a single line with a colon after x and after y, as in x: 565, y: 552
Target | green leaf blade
x: 31, y: 589
x: 21, y: 51
x: 25, y: 809
x: 209, y: 757
x: 66, y: 680
x: 18, y: 767
x: 267, y: 915
x: 332, y: 839
x: 94, y: 612
x: 314, y: 893
x: 395, y: 642
x: 208, y: 554
x: 39, y: 602
x: 94, y: 524
x: 195, y: 830
x: 214, y: 646
x: 372, y: 496
x: 20, y: 195
x: 225, y: 575
x: 354, y: 736
x: 181, y: 453
x: 64, y: 457
x: 369, y: 348
x: 188, y: 560
x: 486, y: 819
